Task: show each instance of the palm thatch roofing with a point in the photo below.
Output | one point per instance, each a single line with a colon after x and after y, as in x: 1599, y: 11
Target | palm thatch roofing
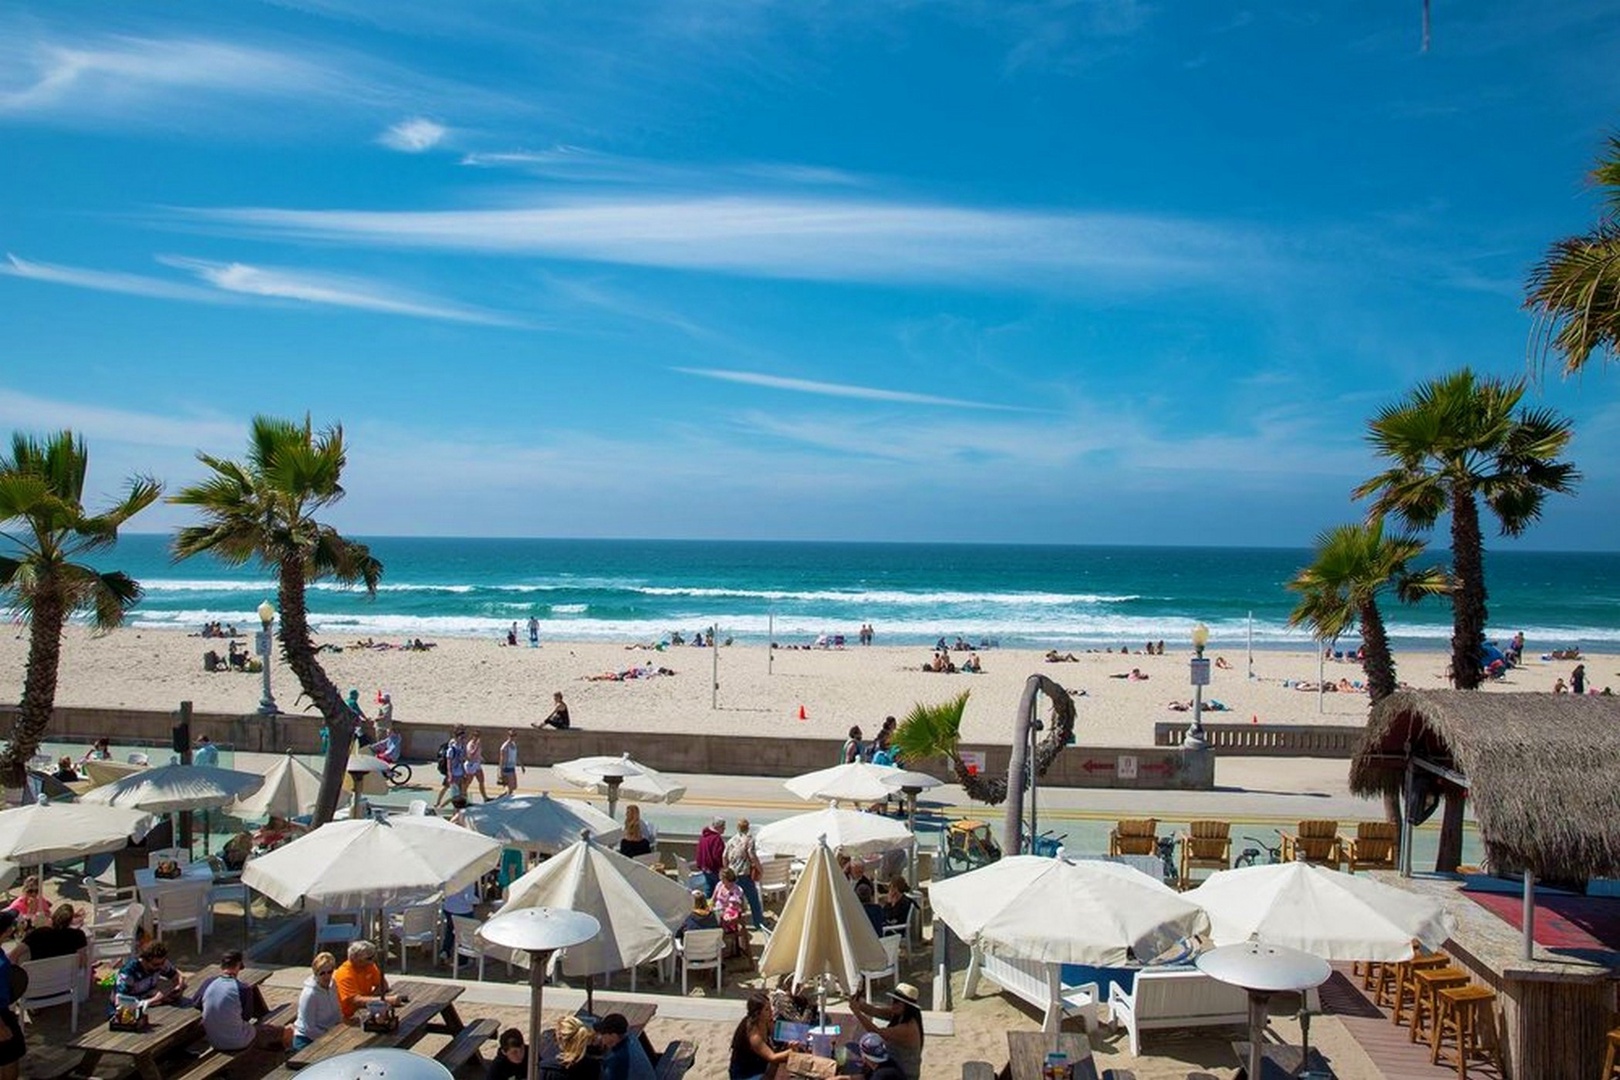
x: 1543, y: 770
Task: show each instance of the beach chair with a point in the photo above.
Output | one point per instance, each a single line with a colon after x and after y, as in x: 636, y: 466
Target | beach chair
x: 1206, y: 845
x: 701, y: 950
x: 1372, y: 848
x: 1316, y: 842
x: 1135, y: 836
x: 58, y: 980
x: 775, y: 879
x: 115, y: 941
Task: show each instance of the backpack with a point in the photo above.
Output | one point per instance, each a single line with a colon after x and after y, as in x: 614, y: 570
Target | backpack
x: 443, y: 759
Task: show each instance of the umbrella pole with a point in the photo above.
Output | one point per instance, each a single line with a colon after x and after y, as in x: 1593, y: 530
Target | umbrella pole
x: 1257, y: 1029
x: 538, y: 959
x: 590, y: 995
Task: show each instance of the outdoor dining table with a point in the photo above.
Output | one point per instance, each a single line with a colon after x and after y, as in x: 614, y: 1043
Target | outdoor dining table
x: 172, y: 1027
x: 1027, y: 1050
x: 194, y: 877
x: 427, y: 1000
x: 637, y: 1014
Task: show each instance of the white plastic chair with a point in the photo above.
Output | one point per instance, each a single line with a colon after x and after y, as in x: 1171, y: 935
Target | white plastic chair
x: 905, y: 931
x: 107, y: 904
x: 116, y: 942
x: 775, y: 879
x: 414, y: 925
x: 701, y: 950
x: 337, y: 926
x: 468, y: 945
x: 58, y: 980
x: 181, y: 909
x: 179, y: 855
x: 891, y: 967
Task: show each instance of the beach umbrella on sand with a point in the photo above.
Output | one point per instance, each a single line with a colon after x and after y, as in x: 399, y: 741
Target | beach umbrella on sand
x: 369, y: 863
x: 852, y: 832
x: 855, y: 781
x: 638, y: 908
x: 64, y: 831
x: 823, y: 931
x: 290, y: 790
x: 1027, y: 907
x: 1326, y: 913
x: 541, y: 823
x: 618, y: 777
x: 171, y: 788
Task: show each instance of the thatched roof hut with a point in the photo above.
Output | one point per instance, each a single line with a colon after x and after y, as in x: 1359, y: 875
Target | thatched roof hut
x: 1543, y: 770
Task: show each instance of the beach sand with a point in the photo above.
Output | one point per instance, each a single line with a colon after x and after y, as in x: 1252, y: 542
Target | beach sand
x: 476, y: 681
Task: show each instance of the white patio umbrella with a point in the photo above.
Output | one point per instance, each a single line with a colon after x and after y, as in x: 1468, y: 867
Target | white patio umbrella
x: 107, y: 772
x: 1326, y: 913
x: 638, y: 908
x: 849, y: 831
x: 290, y: 790
x: 855, y: 781
x: 823, y: 931
x: 1028, y: 907
x: 541, y: 823
x: 61, y: 832
x: 369, y: 863
x: 167, y: 789
x: 635, y: 780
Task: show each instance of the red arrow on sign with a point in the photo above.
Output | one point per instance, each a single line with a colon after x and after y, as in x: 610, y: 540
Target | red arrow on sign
x: 1159, y: 767
x: 1098, y: 766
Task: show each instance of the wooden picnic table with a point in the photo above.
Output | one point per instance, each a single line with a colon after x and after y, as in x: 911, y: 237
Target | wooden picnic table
x: 1281, y: 1060
x: 172, y: 1027
x: 638, y: 1014
x: 1027, y: 1050
x: 416, y: 1018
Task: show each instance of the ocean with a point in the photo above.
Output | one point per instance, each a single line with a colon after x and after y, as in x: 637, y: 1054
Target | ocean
x: 911, y: 594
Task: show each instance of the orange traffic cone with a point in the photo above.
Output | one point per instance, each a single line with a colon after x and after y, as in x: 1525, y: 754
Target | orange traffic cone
x: 1254, y: 718
x: 802, y: 714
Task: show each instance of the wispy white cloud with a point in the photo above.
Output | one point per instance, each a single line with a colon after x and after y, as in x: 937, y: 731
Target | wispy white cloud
x: 98, y: 423
x: 413, y: 136
x: 107, y: 281
x: 843, y: 390
x: 579, y: 164
x: 803, y: 238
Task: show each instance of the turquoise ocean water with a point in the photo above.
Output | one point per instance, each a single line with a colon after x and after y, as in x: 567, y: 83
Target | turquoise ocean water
x: 1017, y: 596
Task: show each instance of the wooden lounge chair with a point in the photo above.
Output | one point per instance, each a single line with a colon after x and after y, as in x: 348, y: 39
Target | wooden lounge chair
x: 1373, y: 846
x: 1316, y: 842
x: 1206, y: 845
x: 1137, y: 836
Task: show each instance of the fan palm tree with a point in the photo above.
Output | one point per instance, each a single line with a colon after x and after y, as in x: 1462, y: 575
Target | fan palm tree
x: 1354, y: 565
x: 1452, y: 442
x: 46, y: 527
x: 262, y: 509
x: 1575, y: 289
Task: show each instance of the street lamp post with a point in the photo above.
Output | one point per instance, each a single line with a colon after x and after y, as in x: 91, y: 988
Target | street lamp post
x: 267, y: 617
x: 1196, y: 739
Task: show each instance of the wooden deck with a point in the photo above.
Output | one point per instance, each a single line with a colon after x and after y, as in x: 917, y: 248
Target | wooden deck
x: 1388, y: 1046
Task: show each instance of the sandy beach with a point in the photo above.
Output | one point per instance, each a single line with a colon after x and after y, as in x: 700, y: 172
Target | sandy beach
x: 476, y: 681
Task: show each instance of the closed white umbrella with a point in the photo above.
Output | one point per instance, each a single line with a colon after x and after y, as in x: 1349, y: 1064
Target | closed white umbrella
x: 168, y: 789
x: 638, y: 907
x: 396, y: 862
x: 1027, y: 907
x: 61, y: 832
x: 849, y: 831
x: 290, y: 790
x: 856, y: 781
x: 1329, y: 914
x: 541, y: 823
x: 635, y: 780
x: 823, y: 930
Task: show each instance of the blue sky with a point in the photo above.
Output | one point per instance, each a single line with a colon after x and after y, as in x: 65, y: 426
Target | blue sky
x: 1090, y: 271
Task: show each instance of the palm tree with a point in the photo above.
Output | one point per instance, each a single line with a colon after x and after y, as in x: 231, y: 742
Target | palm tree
x: 262, y: 508
x: 47, y: 528
x: 1454, y: 441
x: 1575, y: 289
x: 1354, y: 565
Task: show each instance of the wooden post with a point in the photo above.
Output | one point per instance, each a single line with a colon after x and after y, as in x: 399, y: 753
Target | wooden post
x: 1449, y: 857
x: 183, y: 736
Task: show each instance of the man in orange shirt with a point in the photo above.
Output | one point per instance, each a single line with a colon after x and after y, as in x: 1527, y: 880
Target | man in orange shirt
x: 360, y: 982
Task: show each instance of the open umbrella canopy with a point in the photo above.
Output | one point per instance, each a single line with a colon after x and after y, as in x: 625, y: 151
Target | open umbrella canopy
x: 290, y: 790
x: 849, y: 831
x: 823, y: 929
x: 638, y: 907
x: 639, y: 783
x: 369, y: 863
x: 856, y: 781
x: 59, y: 832
x: 171, y: 788
x: 1027, y: 907
x: 541, y: 823
x: 1329, y: 914
x: 107, y: 772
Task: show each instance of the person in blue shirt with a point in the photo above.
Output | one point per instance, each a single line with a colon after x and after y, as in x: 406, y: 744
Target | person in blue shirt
x: 149, y: 976
x: 12, y: 1047
x: 206, y: 753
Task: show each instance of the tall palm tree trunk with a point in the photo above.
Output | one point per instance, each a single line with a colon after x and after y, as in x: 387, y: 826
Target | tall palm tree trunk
x: 1380, y: 662
x: 39, y: 685
x: 299, y: 652
x: 1468, y: 612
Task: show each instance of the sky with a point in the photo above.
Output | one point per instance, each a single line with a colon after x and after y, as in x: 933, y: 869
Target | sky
x: 1064, y: 271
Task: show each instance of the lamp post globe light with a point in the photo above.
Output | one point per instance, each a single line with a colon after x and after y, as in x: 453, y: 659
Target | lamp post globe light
x: 267, y: 617
x: 1196, y: 739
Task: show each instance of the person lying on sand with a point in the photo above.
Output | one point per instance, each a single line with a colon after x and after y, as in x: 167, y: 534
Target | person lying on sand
x: 1220, y: 662
x: 1054, y: 657
x: 1135, y: 675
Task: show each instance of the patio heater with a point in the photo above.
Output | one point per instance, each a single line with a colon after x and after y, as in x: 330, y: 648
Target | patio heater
x: 911, y: 784
x: 540, y: 932
x: 377, y: 1065
x: 361, y: 766
x: 613, y: 774
x: 1195, y: 738
x: 267, y: 617
x: 1264, y: 970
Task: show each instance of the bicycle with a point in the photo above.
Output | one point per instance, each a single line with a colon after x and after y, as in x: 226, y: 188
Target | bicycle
x: 1250, y: 856
x: 398, y: 774
x: 1046, y: 845
x: 1166, y: 847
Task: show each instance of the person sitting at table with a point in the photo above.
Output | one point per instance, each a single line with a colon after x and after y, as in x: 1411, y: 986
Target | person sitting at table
x: 511, y: 1057
x: 12, y: 1046
x: 622, y: 1056
x: 233, y: 1013
x: 877, y: 1063
x: 902, y: 1033
x: 896, y: 903
x: 639, y: 836
x: 564, y: 1051
x: 236, y: 851
x: 100, y: 750
x: 701, y: 917
x: 65, y: 771
x: 853, y: 869
x: 149, y: 977
x: 752, y: 1055
x: 273, y: 833
x: 360, y: 981
x: 31, y: 905
x: 874, y: 913
x: 59, y: 937
x: 318, y: 1008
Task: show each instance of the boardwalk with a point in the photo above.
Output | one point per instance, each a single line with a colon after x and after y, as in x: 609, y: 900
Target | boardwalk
x: 1387, y: 1045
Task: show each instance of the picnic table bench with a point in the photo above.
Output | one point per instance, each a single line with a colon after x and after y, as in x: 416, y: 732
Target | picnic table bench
x: 172, y: 1028
x: 427, y: 1001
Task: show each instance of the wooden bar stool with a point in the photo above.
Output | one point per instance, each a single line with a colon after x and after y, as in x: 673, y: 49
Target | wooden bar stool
x: 1424, y: 998
x: 1405, y: 985
x: 1466, y: 1016
x: 1611, y: 1060
x: 1368, y: 970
